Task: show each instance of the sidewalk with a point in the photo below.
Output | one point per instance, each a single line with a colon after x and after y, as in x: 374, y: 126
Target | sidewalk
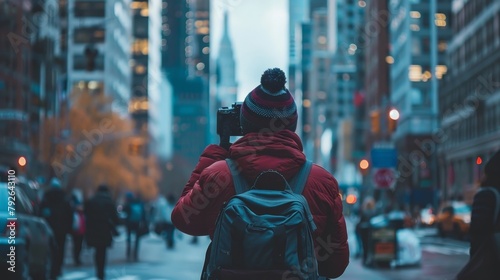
x: 185, y: 261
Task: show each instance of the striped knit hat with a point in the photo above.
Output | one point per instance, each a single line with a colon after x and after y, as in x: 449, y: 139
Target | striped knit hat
x: 269, y: 106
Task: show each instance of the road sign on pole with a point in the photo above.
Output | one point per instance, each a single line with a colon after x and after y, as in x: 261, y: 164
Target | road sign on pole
x: 384, y: 178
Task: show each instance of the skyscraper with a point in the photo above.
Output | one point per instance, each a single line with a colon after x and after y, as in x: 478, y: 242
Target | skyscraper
x: 185, y: 60
x: 469, y: 98
x: 226, y: 72
x: 419, y: 30
x: 29, y: 77
x: 99, y: 49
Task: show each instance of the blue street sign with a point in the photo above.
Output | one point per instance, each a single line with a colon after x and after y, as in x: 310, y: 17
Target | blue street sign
x: 384, y: 158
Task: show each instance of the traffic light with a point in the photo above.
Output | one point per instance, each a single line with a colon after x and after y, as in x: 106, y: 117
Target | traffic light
x: 22, y: 162
x: 363, y: 166
x: 393, y: 120
x: 351, y: 199
x: 375, y: 122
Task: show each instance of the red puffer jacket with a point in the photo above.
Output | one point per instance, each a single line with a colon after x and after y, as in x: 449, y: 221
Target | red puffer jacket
x: 211, y: 185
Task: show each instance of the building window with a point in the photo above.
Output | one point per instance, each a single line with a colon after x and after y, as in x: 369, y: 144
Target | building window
x: 90, y: 9
x: 416, y: 46
x: 80, y: 62
x: 89, y: 35
x: 140, y: 46
x: 442, y: 46
x: 440, y: 20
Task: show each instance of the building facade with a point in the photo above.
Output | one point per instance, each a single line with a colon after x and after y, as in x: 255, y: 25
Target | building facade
x: 419, y: 33
x: 377, y: 61
x: 29, y: 79
x: 185, y: 60
x: 469, y: 99
x: 99, y: 49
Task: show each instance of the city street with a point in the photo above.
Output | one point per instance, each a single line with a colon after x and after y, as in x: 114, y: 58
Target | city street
x: 441, y: 260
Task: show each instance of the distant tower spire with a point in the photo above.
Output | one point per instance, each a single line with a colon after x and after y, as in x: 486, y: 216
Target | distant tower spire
x: 226, y: 23
x: 227, y: 86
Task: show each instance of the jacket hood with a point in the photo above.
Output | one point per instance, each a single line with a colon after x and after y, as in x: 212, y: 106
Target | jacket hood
x: 257, y: 152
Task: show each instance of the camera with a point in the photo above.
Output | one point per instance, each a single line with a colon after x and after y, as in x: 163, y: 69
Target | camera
x: 228, y: 120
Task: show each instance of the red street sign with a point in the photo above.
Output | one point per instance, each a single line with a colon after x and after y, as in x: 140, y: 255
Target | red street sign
x: 384, y: 178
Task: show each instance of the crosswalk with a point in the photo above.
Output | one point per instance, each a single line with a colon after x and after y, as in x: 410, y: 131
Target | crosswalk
x: 445, y: 250
x: 445, y: 246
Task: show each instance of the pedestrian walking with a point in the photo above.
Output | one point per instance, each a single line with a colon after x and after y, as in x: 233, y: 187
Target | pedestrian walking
x: 367, y: 212
x: 485, y: 227
x: 268, y: 120
x: 55, y: 208
x: 101, y: 220
x: 162, y: 219
x: 78, y: 229
x: 136, y: 224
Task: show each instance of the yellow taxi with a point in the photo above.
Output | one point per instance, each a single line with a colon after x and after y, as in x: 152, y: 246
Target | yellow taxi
x: 454, y: 220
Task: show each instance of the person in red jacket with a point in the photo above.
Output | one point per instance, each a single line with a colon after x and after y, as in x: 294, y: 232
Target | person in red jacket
x: 268, y: 120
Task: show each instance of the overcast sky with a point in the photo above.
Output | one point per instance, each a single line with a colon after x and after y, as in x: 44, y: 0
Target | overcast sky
x: 259, y: 35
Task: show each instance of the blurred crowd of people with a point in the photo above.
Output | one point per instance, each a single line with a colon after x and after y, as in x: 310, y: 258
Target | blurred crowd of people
x: 93, y: 222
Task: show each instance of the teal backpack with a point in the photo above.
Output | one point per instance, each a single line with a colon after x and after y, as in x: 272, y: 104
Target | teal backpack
x: 264, y: 232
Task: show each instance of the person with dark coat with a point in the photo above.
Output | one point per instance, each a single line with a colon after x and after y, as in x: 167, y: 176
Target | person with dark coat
x: 136, y: 223
x: 367, y: 212
x: 55, y: 208
x: 101, y: 220
x: 268, y: 120
x: 78, y: 230
x: 482, y: 226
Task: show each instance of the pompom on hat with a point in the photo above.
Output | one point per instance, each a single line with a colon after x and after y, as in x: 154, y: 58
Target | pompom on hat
x: 269, y: 106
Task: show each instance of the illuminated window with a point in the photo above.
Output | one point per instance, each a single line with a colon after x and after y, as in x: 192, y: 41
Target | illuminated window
x: 205, y: 50
x: 139, y: 5
x: 88, y: 35
x: 426, y: 76
x: 145, y: 12
x: 442, y: 46
x: 389, y: 59
x: 202, y: 26
x: 415, y: 14
x: 440, y: 20
x: 440, y: 71
x: 140, y: 69
x: 414, y: 27
x: 306, y: 103
x: 200, y: 66
x: 415, y: 73
x: 140, y: 46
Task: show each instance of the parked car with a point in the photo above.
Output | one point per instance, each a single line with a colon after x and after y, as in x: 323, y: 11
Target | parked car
x: 454, y: 220
x: 34, y: 240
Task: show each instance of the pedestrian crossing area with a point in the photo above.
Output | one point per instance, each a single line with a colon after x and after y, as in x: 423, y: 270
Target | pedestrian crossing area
x: 445, y: 250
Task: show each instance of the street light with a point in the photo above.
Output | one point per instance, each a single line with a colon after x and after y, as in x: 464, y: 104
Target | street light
x: 393, y: 120
x: 363, y: 166
x: 394, y: 114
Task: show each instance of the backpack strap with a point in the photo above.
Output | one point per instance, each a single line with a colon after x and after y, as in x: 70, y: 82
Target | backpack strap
x: 298, y: 182
x: 240, y: 184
